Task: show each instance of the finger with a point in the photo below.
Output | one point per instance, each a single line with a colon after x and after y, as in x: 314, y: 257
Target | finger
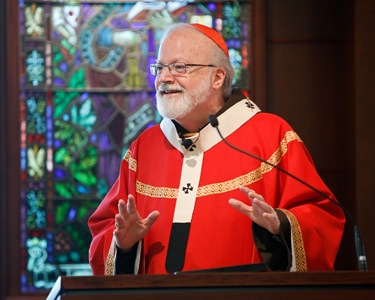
x: 272, y: 218
x: 246, y: 190
x: 130, y: 205
x: 254, y: 195
x: 119, y: 222
x: 273, y: 222
x: 251, y: 194
x: 240, y: 206
x: 122, y: 208
x: 151, y: 218
x: 262, y: 206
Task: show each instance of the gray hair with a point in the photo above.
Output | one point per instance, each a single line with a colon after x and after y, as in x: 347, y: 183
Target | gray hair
x: 218, y: 56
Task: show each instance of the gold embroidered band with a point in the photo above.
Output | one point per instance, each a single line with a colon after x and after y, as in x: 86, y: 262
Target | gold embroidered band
x: 220, y: 187
x: 131, y: 161
x: 110, y: 261
x: 299, y: 248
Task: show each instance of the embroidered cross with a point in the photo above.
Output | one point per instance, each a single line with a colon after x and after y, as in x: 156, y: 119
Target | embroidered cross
x: 192, y: 148
x: 249, y: 104
x: 187, y: 189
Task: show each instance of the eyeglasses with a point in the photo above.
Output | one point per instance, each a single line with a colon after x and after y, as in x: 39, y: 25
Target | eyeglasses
x: 175, y: 68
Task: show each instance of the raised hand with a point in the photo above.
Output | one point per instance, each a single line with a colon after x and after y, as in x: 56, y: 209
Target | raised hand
x: 260, y: 212
x: 130, y: 227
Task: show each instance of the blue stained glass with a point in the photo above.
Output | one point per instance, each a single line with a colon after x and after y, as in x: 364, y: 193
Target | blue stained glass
x: 232, y: 43
x: 211, y: 7
x: 23, y: 159
x: 93, y: 138
x: 64, y: 67
x: 77, y: 61
x: 58, y: 81
x: 84, y: 96
x: 183, y: 19
x: 49, y: 138
x: 72, y: 214
x: 57, y: 143
x: 66, y: 117
x: 49, y: 114
x: 59, y: 173
x: 82, y: 189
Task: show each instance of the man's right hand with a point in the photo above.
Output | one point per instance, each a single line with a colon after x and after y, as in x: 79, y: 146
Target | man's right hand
x: 130, y: 227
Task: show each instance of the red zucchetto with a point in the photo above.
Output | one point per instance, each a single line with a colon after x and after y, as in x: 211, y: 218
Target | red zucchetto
x: 213, y: 35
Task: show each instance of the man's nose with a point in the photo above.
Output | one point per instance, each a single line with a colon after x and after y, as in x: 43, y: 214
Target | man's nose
x: 165, y: 75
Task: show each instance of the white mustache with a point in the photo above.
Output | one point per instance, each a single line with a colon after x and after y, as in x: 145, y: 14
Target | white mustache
x: 166, y: 88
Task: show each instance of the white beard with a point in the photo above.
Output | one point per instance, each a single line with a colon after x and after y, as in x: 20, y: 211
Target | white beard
x: 183, y: 103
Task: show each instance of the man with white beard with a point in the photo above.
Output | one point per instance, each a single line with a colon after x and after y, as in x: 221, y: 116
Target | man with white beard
x: 186, y: 201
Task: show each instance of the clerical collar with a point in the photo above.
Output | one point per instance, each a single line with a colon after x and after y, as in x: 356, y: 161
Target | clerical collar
x: 235, y: 97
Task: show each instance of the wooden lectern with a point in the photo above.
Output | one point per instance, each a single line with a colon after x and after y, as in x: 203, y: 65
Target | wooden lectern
x: 225, y: 286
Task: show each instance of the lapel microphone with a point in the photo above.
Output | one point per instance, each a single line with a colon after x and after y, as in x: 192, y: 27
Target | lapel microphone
x: 187, y: 142
x: 359, y: 245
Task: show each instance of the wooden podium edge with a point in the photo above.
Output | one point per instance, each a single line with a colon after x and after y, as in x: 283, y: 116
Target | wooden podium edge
x: 344, y: 279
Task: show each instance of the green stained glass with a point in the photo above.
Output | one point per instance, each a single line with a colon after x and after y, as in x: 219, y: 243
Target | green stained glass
x: 236, y: 61
x: 36, y: 214
x: 62, y: 100
x: 64, y: 190
x: 84, y: 115
x: 231, y: 23
x: 57, y: 57
x: 36, y: 120
x: 78, y: 79
x: 83, y: 169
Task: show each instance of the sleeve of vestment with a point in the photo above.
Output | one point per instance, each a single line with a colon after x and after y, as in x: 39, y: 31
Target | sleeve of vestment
x: 102, y: 252
x: 125, y: 261
x: 316, y: 224
x: 275, y: 249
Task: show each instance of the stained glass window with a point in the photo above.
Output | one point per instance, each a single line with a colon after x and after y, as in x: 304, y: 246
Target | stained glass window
x: 85, y: 95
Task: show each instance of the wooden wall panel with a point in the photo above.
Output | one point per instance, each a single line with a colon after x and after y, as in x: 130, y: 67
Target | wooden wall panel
x: 365, y: 122
x: 310, y: 84
x: 2, y: 155
x: 305, y: 88
x: 309, y: 20
x: 11, y: 200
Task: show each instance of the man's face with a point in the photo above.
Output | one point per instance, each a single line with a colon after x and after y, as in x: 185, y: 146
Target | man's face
x: 179, y: 95
x: 174, y: 101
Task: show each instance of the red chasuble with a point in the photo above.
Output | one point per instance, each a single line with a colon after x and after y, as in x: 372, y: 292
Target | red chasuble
x: 194, y: 185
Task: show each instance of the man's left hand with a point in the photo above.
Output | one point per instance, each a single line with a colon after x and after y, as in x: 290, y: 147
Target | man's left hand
x: 260, y: 212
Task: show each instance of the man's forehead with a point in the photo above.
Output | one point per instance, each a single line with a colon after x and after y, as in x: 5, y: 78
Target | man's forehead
x: 184, y: 45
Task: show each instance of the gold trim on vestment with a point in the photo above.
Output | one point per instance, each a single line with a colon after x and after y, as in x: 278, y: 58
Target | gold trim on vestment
x: 221, y: 187
x: 156, y: 192
x: 131, y: 161
x: 299, y: 248
x: 110, y: 261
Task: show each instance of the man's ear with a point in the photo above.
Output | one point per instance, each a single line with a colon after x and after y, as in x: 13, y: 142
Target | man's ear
x: 219, y: 77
